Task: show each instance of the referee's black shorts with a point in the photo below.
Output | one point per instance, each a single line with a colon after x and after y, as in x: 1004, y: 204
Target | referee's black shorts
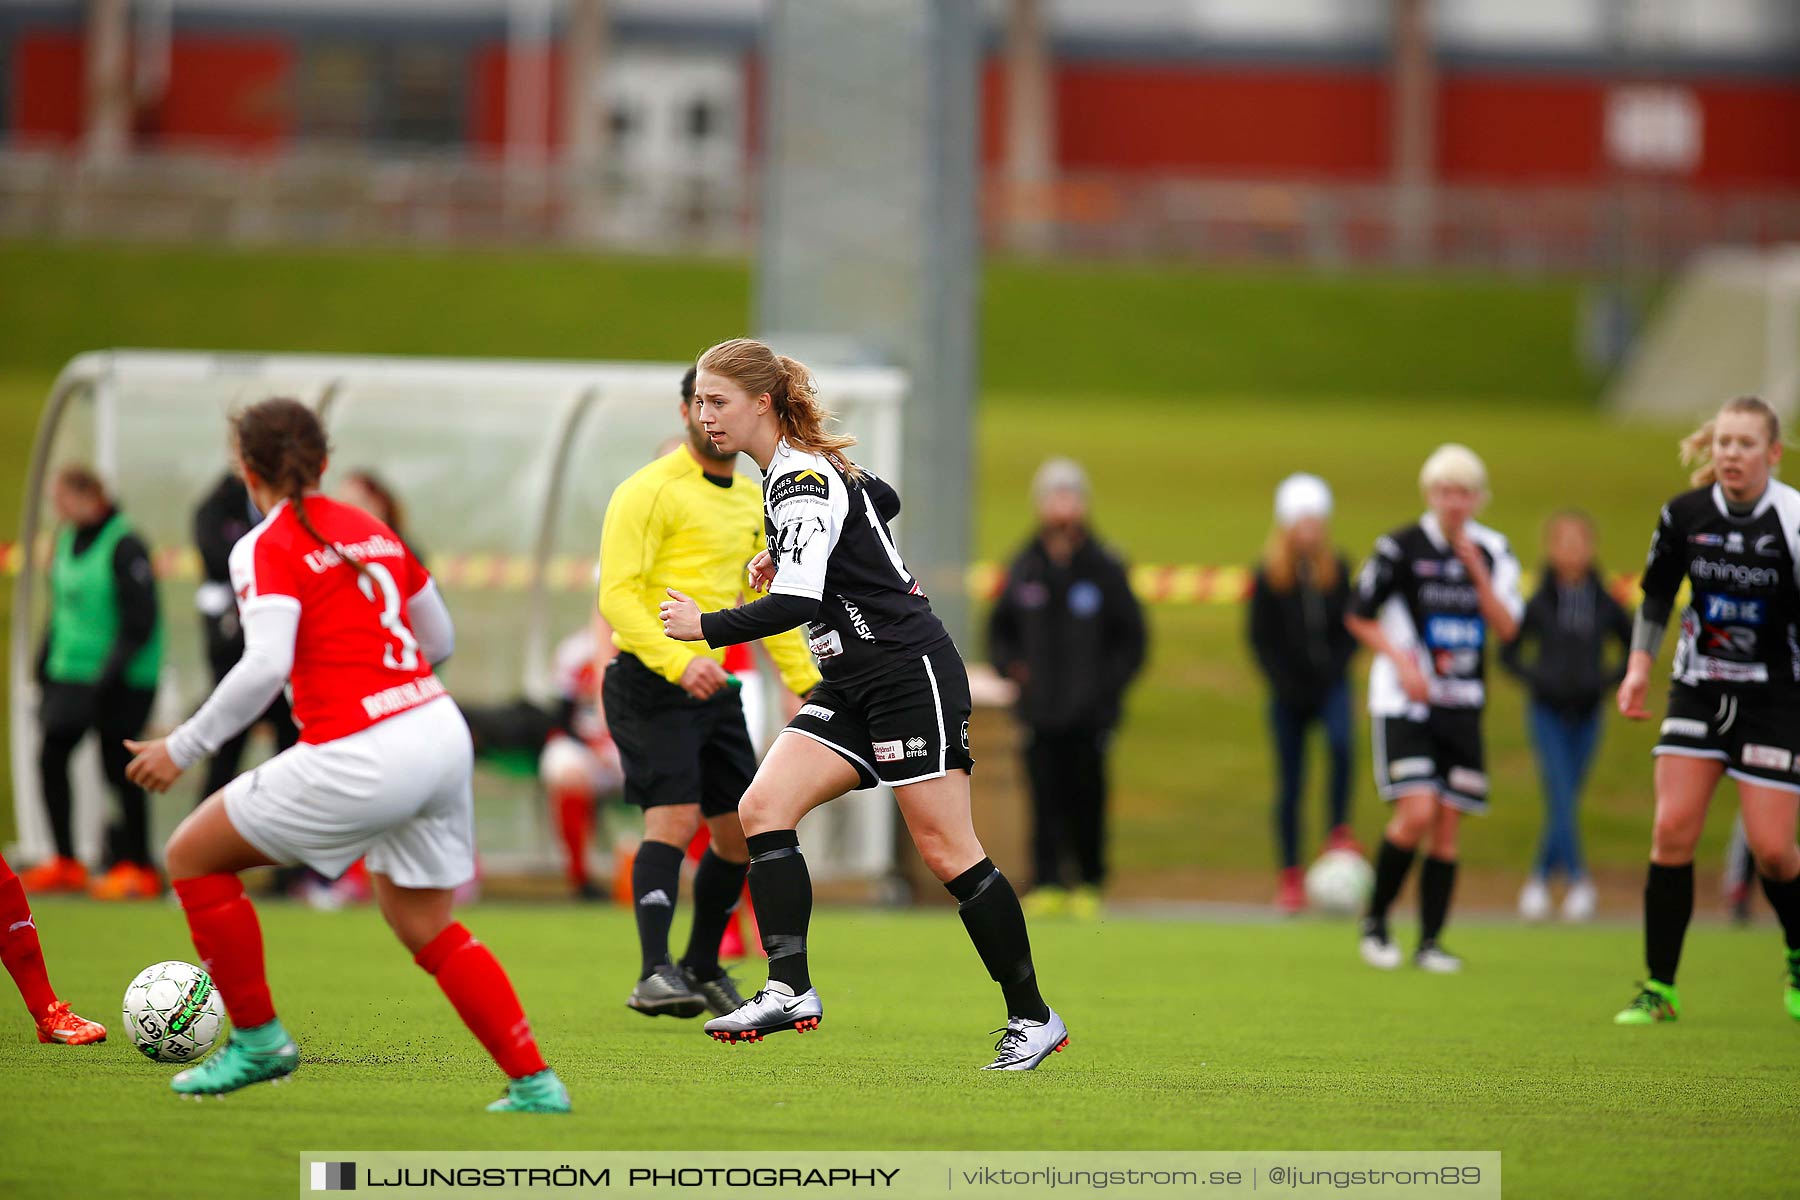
x: 676, y: 749
x: 904, y: 726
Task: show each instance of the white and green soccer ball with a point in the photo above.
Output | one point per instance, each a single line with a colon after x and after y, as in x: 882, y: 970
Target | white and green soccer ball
x: 173, y: 1012
x: 1339, y: 882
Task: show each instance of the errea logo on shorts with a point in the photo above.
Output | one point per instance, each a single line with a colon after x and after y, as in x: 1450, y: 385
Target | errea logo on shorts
x: 1772, y: 757
x: 915, y: 747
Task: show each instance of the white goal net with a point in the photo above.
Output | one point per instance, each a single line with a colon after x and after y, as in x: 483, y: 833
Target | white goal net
x: 505, y: 469
x: 1730, y: 325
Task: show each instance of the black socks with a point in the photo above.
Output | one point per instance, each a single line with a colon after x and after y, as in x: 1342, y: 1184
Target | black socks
x: 717, y: 884
x: 1391, y: 865
x: 1668, y: 905
x: 1784, y: 898
x: 1437, y: 878
x: 990, y: 912
x: 781, y: 889
x: 655, y: 886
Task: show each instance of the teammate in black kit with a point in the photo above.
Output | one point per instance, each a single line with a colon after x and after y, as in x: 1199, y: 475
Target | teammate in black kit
x: 1734, y: 705
x: 1426, y: 603
x: 893, y: 707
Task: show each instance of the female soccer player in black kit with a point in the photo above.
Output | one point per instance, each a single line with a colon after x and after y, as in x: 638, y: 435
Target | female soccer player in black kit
x: 1734, y: 705
x: 1426, y: 603
x: 893, y: 707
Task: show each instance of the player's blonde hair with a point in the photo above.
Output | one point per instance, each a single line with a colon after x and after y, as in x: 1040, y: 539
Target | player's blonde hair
x: 1454, y: 465
x: 1696, y: 447
x: 790, y: 388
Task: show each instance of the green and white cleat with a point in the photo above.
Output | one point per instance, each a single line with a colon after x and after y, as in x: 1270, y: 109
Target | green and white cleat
x: 235, y: 1065
x: 1654, y: 1004
x: 539, y: 1093
x: 1792, y: 998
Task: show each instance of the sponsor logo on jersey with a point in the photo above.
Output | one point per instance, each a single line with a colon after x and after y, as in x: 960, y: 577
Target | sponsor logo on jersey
x: 1768, y: 545
x: 915, y: 747
x: 1773, y: 757
x: 802, y: 483
x: 1718, y: 670
x: 1448, y: 595
x: 828, y: 644
x: 1085, y: 598
x: 892, y: 751
x: 1734, y: 610
x: 856, y: 620
x: 1714, y: 570
x: 1455, y: 633
x: 1704, y: 539
x: 1427, y: 568
x: 1734, y: 542
x: 1685, y: 727
x: 379, y: 546
x: 1467, y: 781
x: 410, y: 694
x: 817, y: 712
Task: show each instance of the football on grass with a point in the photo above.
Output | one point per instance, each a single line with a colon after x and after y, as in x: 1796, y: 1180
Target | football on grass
x: 173, y: 1012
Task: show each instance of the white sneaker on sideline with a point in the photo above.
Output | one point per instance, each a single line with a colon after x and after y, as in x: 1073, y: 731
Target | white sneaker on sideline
x: 1581, y: 901
x: 1534, y: 899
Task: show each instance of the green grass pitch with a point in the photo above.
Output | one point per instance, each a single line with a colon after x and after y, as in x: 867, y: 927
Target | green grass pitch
x: 1189, y: 1035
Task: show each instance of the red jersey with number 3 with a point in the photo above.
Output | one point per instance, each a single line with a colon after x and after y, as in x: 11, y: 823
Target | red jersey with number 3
x: 355, y: 659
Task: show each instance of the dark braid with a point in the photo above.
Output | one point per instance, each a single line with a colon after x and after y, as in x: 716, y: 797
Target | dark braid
x: 284, y: 443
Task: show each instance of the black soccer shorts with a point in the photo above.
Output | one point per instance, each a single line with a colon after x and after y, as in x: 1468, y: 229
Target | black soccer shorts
x: 1756, y: 736
x: 1443, y: 752
x: 905, y: 726
x: 676, y: 749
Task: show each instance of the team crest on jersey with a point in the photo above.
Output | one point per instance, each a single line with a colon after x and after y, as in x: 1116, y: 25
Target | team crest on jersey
x: 1426, y: 568
x: 1768, y: 545
x: 801, y: 483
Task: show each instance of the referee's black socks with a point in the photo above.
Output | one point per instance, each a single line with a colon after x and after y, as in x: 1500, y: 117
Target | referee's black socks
x: 1784, y: 898
x: 990, y: 912
x: 718, y: 882
x: 781, y: 889
x: 1391, y: 865
x: 1668, y: 906
x: 655, y: 886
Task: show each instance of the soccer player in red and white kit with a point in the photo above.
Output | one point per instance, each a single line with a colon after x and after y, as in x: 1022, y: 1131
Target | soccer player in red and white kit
x: 24, y: 961
x: 330, y: 596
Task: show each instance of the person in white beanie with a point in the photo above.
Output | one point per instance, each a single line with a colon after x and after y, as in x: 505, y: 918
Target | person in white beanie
x: 1297, y: 633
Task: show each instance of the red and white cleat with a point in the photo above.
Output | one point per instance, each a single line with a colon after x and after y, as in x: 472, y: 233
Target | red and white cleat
x: 60, y: 1025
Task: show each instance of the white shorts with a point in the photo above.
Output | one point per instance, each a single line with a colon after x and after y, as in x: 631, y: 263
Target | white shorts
x: 564, y: 756
x: 397, y: 793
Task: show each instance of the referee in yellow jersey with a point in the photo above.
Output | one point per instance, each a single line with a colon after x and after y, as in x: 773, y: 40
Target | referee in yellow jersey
x: 689, y: 521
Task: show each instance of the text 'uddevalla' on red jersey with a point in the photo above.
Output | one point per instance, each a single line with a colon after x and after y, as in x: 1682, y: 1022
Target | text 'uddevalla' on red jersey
x: 356, y: 661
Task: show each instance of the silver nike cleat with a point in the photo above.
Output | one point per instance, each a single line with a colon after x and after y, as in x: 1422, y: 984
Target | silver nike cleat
x: 1024, y: 1044
x: 771, y: 1010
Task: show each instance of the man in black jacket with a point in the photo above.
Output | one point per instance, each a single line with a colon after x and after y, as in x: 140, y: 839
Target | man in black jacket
x: 1069, y: 632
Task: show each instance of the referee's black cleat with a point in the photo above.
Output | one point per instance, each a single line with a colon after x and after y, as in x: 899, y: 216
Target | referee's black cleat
x: 665, y: 993
x: 771, y: 1010
x: 720, y: 992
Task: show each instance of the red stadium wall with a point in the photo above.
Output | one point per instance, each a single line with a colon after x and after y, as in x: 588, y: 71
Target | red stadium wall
x: 1269, y: 120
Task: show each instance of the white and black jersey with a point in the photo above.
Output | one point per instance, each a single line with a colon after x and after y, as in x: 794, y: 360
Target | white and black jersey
x: 837, y: 571
x: 1419, y: 590
x: 1741, y: 628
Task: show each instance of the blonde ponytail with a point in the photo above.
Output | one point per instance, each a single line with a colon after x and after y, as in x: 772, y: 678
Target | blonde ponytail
x: 795, y: 397
x: 1696, y: 447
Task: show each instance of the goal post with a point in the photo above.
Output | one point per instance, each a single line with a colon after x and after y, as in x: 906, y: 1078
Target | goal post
x: 1729, y: 325
x: 505, y: 468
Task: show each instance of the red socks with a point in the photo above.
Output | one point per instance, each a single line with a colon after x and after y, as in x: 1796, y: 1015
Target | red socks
x: 229, y: 940
x: 19, y: 948
x: 483, y: 997
x: 572, y: 812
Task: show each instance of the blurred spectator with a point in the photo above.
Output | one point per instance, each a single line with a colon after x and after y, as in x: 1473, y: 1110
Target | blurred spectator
x: 222, y: 518
x: 370, y: 492
x: 1069, y: 632
x: 1568, y: 622
x: 1298, y: 634
x: 579, y: 765
x: 98, y: 668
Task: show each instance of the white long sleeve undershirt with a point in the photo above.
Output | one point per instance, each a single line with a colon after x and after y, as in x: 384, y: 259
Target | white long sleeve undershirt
x: 270, y: 625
